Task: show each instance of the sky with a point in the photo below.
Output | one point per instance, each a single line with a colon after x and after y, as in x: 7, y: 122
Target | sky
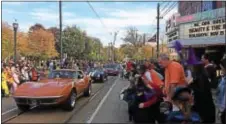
x: 116, y: 16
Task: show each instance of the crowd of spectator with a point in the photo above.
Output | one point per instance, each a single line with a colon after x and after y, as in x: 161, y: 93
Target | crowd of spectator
x: 14, y: 74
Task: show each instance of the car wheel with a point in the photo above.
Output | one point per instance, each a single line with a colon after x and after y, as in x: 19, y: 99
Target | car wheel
x: 69, y: 105
x: 88, y: 91
x: 23, y: 107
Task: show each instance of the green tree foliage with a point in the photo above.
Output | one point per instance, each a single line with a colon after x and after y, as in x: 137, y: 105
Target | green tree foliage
x: 77, y: 44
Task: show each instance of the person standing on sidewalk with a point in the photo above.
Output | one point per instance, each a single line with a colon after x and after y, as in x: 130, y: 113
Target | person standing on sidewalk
x: 15, y: 77
x: 211, y: 70
x: 203, y: 100
x: 4, y: 81
x: 174, y: 75
x: 153, y: 78
x: 221, y: 92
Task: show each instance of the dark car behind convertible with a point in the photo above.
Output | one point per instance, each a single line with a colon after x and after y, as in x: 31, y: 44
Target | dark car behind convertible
x: 98, y: 74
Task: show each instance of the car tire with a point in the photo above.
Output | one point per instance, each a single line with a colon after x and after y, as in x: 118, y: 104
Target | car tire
x: 69, y: 104
x: 88, y: 91
x: 23, y: 107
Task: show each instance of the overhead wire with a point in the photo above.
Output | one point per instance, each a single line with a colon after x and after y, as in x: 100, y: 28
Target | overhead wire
x: 98, y: 17
x: 154, y: 30
x: 165, y: 13
x: 173, y: 5
x: 162, y: 3
x: 167, y: 3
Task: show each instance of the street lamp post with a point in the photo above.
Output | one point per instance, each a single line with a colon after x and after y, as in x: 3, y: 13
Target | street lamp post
x: 15, y: 27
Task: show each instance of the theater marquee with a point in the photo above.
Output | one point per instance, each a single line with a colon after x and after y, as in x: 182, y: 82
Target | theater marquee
x: 207, y: 28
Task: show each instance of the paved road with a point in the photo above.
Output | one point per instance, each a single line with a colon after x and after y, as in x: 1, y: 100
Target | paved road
x: 54, y: 114
x: 106, y: 107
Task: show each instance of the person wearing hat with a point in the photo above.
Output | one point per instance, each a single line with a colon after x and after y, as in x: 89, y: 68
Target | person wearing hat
x: 201, y: 87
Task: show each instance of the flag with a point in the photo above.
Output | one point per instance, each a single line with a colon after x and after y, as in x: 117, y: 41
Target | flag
x: 152, y: 39
x: 177, y: 45
x: 192, y: 59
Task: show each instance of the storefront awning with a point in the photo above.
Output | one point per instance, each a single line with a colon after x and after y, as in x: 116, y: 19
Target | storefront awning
x: 200, y: 42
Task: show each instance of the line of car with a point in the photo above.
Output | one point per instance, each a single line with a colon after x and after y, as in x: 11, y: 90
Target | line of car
x: 62, y: 87
x: 100, y: 74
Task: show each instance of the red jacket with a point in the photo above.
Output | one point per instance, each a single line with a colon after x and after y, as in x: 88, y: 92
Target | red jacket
x: 128, y: 66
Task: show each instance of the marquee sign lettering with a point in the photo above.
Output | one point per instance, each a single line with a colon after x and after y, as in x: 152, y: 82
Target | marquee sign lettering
x: 205, y: 28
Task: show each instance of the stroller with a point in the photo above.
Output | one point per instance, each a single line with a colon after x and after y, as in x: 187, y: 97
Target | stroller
x: 182, y: 111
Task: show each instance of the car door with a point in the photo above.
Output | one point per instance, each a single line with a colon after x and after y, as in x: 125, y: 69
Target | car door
x: 78, y: 83
x: 82, y: 80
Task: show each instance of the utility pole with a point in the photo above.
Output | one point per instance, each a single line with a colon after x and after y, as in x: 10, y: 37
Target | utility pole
x: 99, y: 52
x: 109, y: 51
x: 61, y: 46
x: 144, y: 38
x: 158, y: 18
x: 113, y: 51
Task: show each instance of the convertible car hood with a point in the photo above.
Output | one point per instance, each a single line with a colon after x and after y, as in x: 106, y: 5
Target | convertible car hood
x: 47, y: 87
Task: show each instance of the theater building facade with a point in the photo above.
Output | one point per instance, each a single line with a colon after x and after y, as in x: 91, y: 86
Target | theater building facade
x: 203, y: 31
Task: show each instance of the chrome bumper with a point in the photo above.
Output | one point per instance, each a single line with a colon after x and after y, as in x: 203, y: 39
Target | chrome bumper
x: 43, y: 100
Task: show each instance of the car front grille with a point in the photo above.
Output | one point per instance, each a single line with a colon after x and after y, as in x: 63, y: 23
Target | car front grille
x: 38, y: 101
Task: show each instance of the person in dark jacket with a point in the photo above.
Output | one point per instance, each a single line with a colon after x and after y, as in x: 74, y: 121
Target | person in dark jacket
x: 203, y: 101
x: 211, y: 70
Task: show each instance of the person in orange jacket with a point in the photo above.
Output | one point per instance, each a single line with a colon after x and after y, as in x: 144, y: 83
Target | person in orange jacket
x: 153, y: 81
x: 153, y: 76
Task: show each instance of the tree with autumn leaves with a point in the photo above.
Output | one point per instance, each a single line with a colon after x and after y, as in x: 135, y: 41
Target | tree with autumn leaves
x: 38, y: 43
x: 8, y: 43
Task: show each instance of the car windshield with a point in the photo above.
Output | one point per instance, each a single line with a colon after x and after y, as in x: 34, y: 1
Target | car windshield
x: 97, y: 69
x: 62, y: 74
x: 110, y: 66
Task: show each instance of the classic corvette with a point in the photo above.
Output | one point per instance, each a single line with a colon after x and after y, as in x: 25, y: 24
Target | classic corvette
x: 62, y: 87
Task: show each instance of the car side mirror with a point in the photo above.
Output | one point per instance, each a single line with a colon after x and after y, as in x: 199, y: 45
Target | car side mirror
x: 80, y: 76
